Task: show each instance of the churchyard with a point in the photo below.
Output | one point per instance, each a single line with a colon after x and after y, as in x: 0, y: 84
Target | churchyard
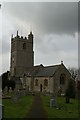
x: 61, y: 109
x: 20, y: 103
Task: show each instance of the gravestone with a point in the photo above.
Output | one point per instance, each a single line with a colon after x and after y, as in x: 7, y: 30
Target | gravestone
x: 22, y: 92
x: 67, y: 100
x: 10, y: 89
x: 5, y: 91
x: 16, y: 96
x: 27, y: 90
x: 52, y: 102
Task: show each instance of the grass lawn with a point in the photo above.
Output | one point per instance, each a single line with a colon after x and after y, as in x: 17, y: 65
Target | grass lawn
x: 66, y: 111
x: 19, y: 109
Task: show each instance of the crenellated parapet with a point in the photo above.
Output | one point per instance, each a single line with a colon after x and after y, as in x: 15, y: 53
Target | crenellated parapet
x: 18, y: 37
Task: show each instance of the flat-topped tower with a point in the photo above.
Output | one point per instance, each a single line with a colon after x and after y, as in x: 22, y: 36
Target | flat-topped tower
x: 22, y: 54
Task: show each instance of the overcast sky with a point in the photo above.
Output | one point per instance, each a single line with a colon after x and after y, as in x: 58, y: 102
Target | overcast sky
x: 54, y: 26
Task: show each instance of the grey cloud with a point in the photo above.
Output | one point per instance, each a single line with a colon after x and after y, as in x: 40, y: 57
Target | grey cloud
x: 59, y: 18
x: 5, y: 45
x: 47, y: 45
x: 53, y: 20
x: 55, y: 43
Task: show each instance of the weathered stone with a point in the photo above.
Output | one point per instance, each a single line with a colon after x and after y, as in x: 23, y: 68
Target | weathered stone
x: 48, y: 79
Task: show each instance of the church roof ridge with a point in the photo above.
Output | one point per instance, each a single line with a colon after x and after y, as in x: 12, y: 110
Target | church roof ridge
x: 55, y: 65
x: 52, y: 65
x: 48, y: 70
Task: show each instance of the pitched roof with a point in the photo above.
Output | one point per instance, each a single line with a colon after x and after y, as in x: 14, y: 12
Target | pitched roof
x: 47, y: 71
x: 42, y: 71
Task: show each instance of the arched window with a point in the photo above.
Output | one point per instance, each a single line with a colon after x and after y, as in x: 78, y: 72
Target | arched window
x: 36, y: 82
x: 45, y: 82
x: 24, y: 45
x: 62, y: 79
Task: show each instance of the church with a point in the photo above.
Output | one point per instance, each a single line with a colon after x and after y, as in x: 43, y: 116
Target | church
x: 49, y: 79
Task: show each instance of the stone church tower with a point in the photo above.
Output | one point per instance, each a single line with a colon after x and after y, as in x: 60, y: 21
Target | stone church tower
x: 22, y: 54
